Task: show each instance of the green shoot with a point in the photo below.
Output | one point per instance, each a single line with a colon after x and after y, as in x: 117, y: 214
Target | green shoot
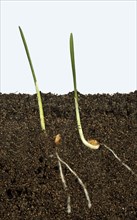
x: 95, y: 144
x: 41, y: 113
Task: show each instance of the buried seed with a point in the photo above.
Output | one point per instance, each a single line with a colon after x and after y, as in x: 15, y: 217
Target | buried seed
x: 57, y: 139
x: 93, y: 142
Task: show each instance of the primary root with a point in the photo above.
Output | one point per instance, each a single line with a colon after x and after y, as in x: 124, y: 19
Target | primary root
x: 65, y: 186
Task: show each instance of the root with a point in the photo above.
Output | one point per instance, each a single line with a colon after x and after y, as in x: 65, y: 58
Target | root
x: 125, y: 165
x: 65, y: 186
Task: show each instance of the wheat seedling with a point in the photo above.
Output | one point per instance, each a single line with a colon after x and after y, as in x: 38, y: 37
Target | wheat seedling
x: 41, y: 113
x: 92, y: 144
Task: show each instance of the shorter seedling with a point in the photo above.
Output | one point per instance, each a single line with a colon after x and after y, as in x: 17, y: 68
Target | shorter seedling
x: 41, y: 113
x: 94, y: 144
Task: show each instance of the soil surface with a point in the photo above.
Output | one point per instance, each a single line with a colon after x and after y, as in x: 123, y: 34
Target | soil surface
x: 30, y: 182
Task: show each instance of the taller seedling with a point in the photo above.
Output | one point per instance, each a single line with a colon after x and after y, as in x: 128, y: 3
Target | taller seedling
x: 41, y: 113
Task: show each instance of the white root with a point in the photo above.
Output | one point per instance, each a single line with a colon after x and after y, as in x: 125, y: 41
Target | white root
x: 64, y: 184
x: 115, y: 155
x: 60, y: 162
x: 80, y: 181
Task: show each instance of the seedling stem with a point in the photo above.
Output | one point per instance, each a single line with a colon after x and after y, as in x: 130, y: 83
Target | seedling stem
x: 86, y: 143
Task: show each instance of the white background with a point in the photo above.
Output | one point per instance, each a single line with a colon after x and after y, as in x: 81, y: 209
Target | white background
x: 104, y: 39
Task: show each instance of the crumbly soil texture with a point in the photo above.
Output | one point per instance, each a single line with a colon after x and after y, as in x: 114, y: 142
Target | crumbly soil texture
x: 30, y: 183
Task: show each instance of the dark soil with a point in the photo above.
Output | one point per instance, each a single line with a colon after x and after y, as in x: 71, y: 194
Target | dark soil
x: 30, y: 183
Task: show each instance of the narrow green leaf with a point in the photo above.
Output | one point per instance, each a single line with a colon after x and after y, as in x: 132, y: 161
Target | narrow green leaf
x: 41, y: 113
x: 27, y: 52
